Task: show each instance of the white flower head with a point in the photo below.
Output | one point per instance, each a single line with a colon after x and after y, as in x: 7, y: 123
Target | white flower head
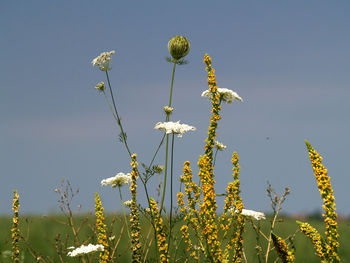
x: 226, y: 95
x: 119, y: 180
x: 253, y: 214
x: 85, y: 250
x: 220, y: 146
x: 174, y: 127
x: 103, y: 60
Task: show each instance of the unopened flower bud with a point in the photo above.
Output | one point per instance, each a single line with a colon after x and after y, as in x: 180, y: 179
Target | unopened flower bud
x: 168, y: 109
x: 178, y: 46
x: 100, y: 86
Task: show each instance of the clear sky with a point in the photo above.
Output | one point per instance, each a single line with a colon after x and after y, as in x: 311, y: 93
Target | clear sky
x: 289, y: 60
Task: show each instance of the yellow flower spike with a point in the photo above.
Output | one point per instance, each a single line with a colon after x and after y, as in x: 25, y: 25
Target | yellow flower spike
x: 15, y: 228
x: 101, y: 230
x: 282, y: 249
x: 316, y: 239
x: 215, y: 99
x: 330, y: 246
x: 134, y: 213
x: 161, y: 236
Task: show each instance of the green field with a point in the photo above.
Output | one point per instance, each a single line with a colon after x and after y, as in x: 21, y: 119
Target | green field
x: 42, y: 233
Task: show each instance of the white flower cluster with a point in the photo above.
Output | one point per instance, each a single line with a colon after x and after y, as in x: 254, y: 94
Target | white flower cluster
x: 119, y: 180
x: 220, y: 146
x: 226, y: 95
x: 253, y: 214
x: 85, y: 250
x: 174, y: 127
x: 103, y: 60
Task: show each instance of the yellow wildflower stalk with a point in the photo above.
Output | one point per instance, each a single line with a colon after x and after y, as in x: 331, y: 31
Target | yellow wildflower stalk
x: 15, y: 228
x: 282, y: 249
x: 207, y: 211
x: 331, y: 244
x: 215, y: 100
x: 134, y: 214
x: 233, y: 207
x: 319, y: 244
x: 161, y: 236
x: 191, y: 213
x: 101, y: 230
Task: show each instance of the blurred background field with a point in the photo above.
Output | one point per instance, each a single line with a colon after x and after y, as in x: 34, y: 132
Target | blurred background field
x: 43, y: 231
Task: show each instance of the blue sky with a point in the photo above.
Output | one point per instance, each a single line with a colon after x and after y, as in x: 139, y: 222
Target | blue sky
x: 289, y: 60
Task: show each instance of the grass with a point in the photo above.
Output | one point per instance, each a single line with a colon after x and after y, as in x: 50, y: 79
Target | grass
x: 43, y: 231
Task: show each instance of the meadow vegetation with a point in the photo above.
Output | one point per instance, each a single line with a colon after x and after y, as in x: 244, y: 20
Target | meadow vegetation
x: 188, y: 229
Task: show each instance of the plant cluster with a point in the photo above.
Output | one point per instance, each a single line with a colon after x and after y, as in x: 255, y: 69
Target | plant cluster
x: 194, y: 230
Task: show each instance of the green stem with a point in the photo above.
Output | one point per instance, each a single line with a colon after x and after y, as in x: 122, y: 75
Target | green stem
x: 167, y: 142
x: 215, y: 157
x: 117, y: 115
x: 126, y: 221
x: 171, y: 190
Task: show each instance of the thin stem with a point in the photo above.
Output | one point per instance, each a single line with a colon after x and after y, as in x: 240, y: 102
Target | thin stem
x: 165, y: 172
x: 126, y: 221
x: 215, y: 156
x: 167, y: 141
x: 171, y: 190
x: 118, y: 118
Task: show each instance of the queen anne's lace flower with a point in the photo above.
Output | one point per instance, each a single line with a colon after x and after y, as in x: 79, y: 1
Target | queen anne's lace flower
x: 226, y: 95
x: 103, y: 60
x: 253, y: 214
x: 174, y: 127
x: 119, y: 180
x: 85, y: 250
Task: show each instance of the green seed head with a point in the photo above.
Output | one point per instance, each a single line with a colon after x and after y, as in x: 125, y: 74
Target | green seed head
x: 178, y: 46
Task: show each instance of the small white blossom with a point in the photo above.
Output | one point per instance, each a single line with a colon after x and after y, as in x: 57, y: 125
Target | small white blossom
x: 226, y: 95
x: 174, y: 127
x: 119, y: 180
x: 220, y: 146
x: 103, y: 60
x: 85, y: 250
x: 128, y: 203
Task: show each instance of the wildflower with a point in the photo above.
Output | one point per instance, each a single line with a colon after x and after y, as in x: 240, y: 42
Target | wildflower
x: 178, y: 46
x: 15, y: 228
x: 85, y: 250
x: 103, y: 60
x: 219, y: 145
x: 237, y: 221
x: 251, y: 213
x: 282, y: 249
x: 101, y: 229
x: 226, y: 95
x: 128, y: 203
x: 134, y: 214
x: 100, y: 86
x: 119, y: 180
x: 174, y: 127
x: 168, y: 109
x: 161, y: 237
x: 330, y: 247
